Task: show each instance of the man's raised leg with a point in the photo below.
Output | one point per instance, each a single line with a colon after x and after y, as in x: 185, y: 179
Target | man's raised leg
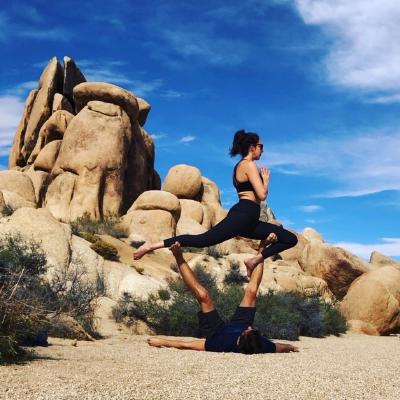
x: 200, y: 292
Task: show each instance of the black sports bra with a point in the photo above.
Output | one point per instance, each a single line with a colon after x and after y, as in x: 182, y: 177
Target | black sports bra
x: 242, y: 186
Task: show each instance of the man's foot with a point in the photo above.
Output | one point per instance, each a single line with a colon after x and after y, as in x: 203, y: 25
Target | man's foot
x: 252, y: 263
x: 142, y: 250
x: 156, y: 342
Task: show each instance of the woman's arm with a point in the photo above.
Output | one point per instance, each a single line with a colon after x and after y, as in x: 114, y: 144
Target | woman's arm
x: 260, y: 185
x: 196, y: 344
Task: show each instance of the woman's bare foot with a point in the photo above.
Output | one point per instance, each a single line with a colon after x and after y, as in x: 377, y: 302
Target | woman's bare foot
x: 142, y: 250
x: 253, y: 262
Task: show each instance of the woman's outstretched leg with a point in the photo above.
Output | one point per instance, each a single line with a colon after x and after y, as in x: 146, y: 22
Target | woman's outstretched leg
x: 229, y: 227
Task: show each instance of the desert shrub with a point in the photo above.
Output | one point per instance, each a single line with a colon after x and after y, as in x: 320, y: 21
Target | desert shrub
x: 164, y: 294
x: 90, y: 237
x: 138, y: 269
x: 29, y: 303
x: 106, y: 250
x: 281, y: 315
x: 214, y: 251
x: 21, y: 312
x: 234, y: 276
x: 189, y: 249
x: 7, y: 210
x: 137, y: 243
x: 104, y: 226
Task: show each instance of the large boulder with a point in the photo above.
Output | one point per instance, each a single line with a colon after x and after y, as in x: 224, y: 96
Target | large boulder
x: 60, y: 102
x: 184, y: 181
x: 107, y: 93
x: 152, y: 225
x: 94, y: 151
x: 336, y: 266
x: 40, y: 181
x: 187, y: 225
x: 16, y: 158
x: 192, y: 209
x: 53, y: 129
x: 18, y: 182
x: 50, y: 82
x: 374, y: 298
x: 15, y: 201
x: 210, y: 192
x: 144, y: 109
x: 48, y: 156
x: 40, y: 225
x: 72, y: 77
x: 140, y: 164
x: 158, y: 200
x: 312, y: 234
x: 380, y: 260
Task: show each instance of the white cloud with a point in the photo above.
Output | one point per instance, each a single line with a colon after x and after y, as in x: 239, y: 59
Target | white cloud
x: 22, y: 89
x: 362, y: 164
x: 187, y: 139
x: 390, y: 247
x: 158, y: 136
x: 394, y: 98
x: 311, y: 208
x: 366, y: 48
x: 56, y: 34
x: 11, y: 108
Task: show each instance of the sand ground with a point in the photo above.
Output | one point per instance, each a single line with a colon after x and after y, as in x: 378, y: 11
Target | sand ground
x: 125, y: 367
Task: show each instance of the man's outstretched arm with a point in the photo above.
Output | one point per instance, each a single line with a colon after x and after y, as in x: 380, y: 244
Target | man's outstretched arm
x: 196, y: 344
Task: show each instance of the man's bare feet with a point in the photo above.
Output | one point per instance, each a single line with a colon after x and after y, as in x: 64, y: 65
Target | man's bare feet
x: 253, y: 262
x: 156, y: 342
x: 142, y: 250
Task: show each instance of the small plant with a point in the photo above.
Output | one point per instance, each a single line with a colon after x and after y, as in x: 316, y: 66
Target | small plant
x: 214, y: 251
x: 7, y: 210
x: 106, y: 250
x: 137, y: 243
x: 90, y: 237
x: 164, y: 294
x: 105, y: 226
x: 234, y: 276
x: 189, y: 249
x: 138, y: 269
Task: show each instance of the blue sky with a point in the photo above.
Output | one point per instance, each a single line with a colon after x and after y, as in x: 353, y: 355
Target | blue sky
x: 318, y: 80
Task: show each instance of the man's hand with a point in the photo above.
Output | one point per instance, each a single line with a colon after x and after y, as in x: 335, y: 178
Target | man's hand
x: 176, y: 250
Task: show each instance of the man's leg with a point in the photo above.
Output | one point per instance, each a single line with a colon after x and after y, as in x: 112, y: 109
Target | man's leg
x: 200, y: 292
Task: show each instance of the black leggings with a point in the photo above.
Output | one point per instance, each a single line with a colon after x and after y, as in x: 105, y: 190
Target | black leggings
x: 242, y: 220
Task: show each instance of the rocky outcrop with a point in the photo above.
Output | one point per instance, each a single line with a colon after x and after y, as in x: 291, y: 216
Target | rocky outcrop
x: 312, y: 234
x: 380, y: 260
x: 336, y: 266
x: 374, y: 298
x: 93, y: 155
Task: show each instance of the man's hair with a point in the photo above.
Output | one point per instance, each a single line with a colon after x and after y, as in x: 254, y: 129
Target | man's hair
x: 250, y: 342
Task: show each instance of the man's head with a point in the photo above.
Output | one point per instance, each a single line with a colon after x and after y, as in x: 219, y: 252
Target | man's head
x: 249, y: 341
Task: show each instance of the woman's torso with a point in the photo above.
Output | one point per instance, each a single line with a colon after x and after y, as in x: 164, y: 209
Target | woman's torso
x: 241, y: 177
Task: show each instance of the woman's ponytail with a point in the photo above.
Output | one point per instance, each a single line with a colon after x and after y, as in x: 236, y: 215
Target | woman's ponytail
x: 242, y: 141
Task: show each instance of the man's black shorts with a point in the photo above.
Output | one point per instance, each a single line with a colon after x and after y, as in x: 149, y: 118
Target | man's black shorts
x: 211, y: 322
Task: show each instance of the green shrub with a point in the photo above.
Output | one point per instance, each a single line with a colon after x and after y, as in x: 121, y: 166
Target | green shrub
x: 107, y: 251
x: 137, y: 243
x: 103, y: 226
x: 28, y: 302
x: 214, y: 251
x: 90, y: 237
x: 7, y: 210
x: 282, y: 315
x: 234, y: 276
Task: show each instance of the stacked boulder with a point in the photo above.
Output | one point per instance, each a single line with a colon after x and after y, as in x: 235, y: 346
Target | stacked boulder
x: 82, y: 145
